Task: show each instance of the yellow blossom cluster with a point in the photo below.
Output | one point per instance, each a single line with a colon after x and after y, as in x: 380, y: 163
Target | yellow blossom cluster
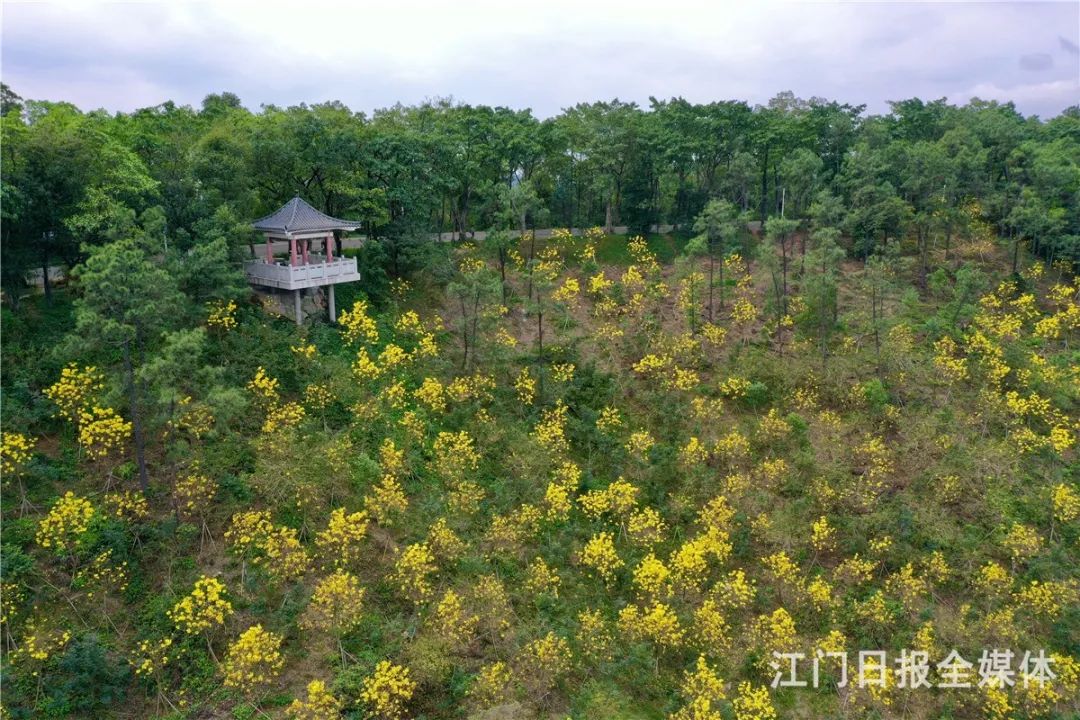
x: 304, y: 351
x: 15, y: 449
x: 222, y: 315
x: 491, y: 685
x: 254, y: 660
x: 646, y: 527
x: 413, y: 570
x: 444, y: 542
x: 734, y: 387
x: 1066, y: 503
x: 336, y: 605
x: 525, y: 384
x: 432, y: 394
x: 264, y: 388
x: 610, y: 419
x: 567, y: 292
x: 39, y: 643
x: 194, y: 492
x: 703, y: 689
x: 386, y: 500
x: 823, y: 535
x: 541, y: 578
x: 599, y: 554
x: 73, y: 392
x: 651, y: 577
x: 357, y: 324
x: 550, y: 431
x: 66, y: 523
x: 281, y: 417
x: 102, y: 430
x: 320, y: 704
x: 102, y: 575
x: 151, y: 657
x: 452, y: 621
x: 544, y: 660
x: 639, y: 443
x: 1022, y: 542
x: 774, y: 632
x: 283, y: 556
x: 455, y: 455
x: 388, y: 689
x: 128, y: 505
x: 656, y: 623
x: 617, y: 499
x: 340, y: 541
x: 317, y: 397
x: 952, y: 368
x: 194, y: 418
x: 204, y: 608
x: 664, y: 370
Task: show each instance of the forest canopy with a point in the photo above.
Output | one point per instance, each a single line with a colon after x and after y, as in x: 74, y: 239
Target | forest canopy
x: 628, y: 404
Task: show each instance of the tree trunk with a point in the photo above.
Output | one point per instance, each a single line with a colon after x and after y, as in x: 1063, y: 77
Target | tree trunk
x: 475, y: 320
x: 1016, y: 251
x: 136, y: 420
x: 712, y: 263
x: 46, y: 283
x: 464, y: 333
x: 721, y: 283
x: 764, y: 184
x: 784, y: 263
x: 924, y: 241
x: 532, y: 254
x: 502, y: 273
x: 608, y: 227
x: 540, y: 345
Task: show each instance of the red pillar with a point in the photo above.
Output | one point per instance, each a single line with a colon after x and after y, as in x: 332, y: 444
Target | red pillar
x: 307, y: 246
x: 330, y: 248
x: 292, y: 251
x: 269, y: 252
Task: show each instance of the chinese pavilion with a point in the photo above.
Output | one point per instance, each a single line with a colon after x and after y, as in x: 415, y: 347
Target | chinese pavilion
x: 298, y: 224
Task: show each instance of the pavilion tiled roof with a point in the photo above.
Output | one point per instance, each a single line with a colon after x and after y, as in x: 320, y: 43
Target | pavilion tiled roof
x: 297, y: 216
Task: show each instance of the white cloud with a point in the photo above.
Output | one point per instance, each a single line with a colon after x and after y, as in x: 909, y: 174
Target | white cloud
x: 544, y: 55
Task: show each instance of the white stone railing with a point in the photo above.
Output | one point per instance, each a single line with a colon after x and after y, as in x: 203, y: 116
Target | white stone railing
x: 294, y: 277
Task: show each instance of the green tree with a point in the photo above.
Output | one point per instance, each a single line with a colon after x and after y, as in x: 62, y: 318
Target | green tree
x: 718, y: 227
x: 127, y: 303
x: 820, y: 289
x: 780, y: 232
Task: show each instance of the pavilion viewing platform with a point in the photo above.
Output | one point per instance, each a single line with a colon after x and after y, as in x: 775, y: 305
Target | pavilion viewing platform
x: 298, y: 224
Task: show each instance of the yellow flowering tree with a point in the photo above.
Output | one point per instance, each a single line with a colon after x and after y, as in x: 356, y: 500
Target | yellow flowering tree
x: 413, y: 570
x: 599, y: 555
x: 542, y: 662
x: 253, y: 660
x: 340, y: 543
x: 320, y: 704
x: 387, y: 690
x: 63, y: 530
x: 336, y: 606
x: 202, y: 610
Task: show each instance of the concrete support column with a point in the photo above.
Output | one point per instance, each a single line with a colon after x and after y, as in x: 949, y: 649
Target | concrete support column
x: 330, y: 304
x: 296, y: 302
x: 292, y: 251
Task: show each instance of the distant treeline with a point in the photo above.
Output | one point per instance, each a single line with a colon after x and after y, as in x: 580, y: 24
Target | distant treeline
x: 185, y: 174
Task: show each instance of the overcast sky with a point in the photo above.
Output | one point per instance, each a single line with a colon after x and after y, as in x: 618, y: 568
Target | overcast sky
x: 542, y: 55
